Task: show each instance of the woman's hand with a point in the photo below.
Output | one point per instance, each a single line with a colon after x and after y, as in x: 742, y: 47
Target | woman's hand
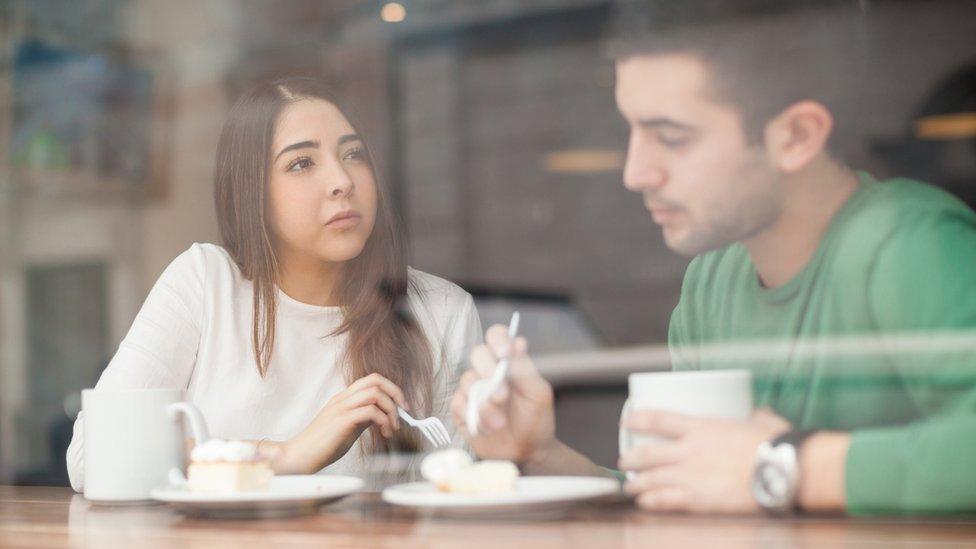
x: 371, y: 400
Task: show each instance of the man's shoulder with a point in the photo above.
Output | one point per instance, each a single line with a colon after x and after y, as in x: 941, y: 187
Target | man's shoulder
x: 904, y: 210
x: 901, y: 203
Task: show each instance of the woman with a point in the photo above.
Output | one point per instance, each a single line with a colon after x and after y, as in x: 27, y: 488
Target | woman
x: 306, y: 328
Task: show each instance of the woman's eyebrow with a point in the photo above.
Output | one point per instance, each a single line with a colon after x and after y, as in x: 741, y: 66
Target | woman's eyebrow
x: 299, y: 145
x: 349, y: 137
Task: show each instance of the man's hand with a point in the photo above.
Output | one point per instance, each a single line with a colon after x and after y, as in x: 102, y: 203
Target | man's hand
x: 704, y: 466
x: 518, y: 421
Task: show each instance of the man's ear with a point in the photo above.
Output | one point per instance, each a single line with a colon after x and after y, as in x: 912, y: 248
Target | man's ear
x: 798, y: 135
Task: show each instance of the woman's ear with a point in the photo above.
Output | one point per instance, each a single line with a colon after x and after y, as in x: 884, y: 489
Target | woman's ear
x: 798, y: 135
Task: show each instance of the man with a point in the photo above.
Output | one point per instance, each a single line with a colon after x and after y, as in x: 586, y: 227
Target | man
x: 730, y: 148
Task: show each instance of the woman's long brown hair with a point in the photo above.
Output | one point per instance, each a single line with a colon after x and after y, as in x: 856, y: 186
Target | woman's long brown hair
x: 383, y: 335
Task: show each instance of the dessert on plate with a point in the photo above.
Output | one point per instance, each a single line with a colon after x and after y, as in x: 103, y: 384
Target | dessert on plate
x: 454, y: 471
x: 225, y: 466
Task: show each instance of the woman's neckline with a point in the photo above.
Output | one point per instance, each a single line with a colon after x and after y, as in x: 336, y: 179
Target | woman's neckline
x: 295, y: 304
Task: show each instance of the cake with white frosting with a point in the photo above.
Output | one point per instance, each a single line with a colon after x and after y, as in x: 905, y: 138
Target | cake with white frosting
x: 223, y: 466
x: 453, y: 470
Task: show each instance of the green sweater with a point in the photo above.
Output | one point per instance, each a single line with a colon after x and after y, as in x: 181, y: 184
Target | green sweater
x: 900, y: 256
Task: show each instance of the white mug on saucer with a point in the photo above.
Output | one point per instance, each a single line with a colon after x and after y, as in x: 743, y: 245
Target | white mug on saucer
x: 133, y: 438
x: 709, y: 393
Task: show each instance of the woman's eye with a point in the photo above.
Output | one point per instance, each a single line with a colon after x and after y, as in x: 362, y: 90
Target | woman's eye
x: 300, y: 164
x: 355, y: 153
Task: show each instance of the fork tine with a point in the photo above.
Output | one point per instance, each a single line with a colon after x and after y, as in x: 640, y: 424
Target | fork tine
x: 432, y: 436
x: 442, y: 430
x: 425, y: 435
x: 438, y: 429
x: 437, y: 435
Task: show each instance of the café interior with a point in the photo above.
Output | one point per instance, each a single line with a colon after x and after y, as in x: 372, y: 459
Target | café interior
x: 494, y: 124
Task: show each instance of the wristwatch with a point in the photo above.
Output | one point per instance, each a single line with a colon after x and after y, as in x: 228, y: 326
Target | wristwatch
x: 776, y: 476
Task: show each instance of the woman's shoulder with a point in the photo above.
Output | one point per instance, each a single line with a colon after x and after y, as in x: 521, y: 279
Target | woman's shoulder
x: 203, y: 262
x: 440, y: 298
x: 445, y: 311
x: 434, y: 289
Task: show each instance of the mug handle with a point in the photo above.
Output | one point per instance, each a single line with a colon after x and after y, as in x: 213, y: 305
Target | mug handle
x: 176, y: 478
x: 198, y: 426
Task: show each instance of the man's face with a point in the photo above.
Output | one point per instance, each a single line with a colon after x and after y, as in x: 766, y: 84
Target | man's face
x: 688, y: 156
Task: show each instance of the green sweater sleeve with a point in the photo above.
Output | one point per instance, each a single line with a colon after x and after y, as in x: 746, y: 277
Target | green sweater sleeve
x: 922, y: 283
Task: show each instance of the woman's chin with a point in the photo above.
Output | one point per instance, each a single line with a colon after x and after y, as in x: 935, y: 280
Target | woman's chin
x: 340, y: 254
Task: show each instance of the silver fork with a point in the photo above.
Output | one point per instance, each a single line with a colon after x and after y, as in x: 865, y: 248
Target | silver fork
x: 431, y: 427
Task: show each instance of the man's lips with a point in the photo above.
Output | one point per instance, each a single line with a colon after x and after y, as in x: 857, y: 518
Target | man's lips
x: 662, y: 214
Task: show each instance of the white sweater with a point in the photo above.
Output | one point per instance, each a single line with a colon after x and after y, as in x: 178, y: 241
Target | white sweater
x: 194, y: 333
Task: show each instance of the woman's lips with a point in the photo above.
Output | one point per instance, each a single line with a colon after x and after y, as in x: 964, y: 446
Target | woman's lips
x: 344, y: 221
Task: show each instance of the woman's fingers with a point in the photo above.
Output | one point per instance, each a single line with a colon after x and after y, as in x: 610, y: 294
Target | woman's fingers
x: 377, y: 397
x: 377, y: 380
x: 371, y: 413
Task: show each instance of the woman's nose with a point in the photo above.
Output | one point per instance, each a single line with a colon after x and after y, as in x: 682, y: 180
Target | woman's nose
x: 340, y: 184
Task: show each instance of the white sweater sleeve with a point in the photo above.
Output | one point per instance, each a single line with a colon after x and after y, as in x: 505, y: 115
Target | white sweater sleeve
x: 462, y: 335
x: 160, y: 349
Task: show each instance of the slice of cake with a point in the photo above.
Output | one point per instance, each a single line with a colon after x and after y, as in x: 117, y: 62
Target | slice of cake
x: 438, y: 467
x: 454, y: 471
x: 221, y: 466
x: 484, y: 477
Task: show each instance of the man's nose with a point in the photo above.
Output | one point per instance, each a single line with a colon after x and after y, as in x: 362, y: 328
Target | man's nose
x: 642, y: 169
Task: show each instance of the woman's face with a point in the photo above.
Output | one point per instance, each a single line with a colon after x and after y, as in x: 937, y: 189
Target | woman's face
x: 321, y: 189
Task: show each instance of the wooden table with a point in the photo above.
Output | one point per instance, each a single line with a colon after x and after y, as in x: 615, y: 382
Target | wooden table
x: 55, y: 517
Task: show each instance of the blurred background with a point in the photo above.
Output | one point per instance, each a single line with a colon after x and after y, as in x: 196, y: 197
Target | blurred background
x: 495, y: 125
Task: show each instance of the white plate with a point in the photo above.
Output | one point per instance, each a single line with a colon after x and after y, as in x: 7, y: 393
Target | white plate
x: 534, y: 495
x: 287, y: 495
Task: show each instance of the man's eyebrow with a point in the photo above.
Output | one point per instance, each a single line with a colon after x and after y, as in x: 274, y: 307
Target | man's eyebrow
x: 664, y: 122
x: 299, y: 145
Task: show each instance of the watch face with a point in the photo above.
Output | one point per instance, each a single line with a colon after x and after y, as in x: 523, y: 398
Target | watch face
x: 774, y: 479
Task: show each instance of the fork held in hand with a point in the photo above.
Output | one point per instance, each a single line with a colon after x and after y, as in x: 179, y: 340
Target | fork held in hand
x: 431, y: 427
x: 482, y: 389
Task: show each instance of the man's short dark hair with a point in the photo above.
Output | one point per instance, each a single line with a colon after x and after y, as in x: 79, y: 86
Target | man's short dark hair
x: 762, y: 55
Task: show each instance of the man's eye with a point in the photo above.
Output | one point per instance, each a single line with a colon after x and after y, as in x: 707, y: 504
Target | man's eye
x: 673, y: 141
x: 300, y: 164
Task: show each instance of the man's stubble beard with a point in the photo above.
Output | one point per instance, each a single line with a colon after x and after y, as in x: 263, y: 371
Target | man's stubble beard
x: 740, y: 218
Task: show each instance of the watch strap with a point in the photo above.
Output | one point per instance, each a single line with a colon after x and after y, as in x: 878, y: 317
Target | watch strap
x: 794, y: 438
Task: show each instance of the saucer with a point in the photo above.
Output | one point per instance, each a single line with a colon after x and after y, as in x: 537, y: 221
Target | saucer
x: 287, y: 495
x: 533, y: 495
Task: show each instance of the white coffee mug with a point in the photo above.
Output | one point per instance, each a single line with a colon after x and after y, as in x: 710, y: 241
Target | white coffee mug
x: 133, y: 438
x: 710, y: 393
